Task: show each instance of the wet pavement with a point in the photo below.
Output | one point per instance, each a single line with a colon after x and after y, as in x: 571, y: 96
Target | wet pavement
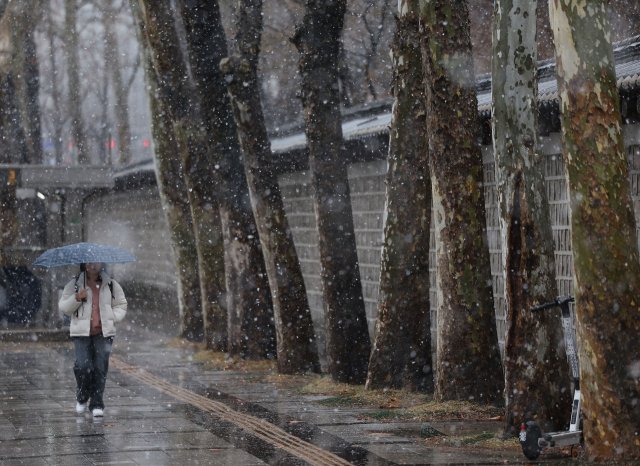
x: 146, y: 426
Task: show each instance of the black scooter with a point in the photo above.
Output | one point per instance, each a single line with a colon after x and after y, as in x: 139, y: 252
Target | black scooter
x: 532, y: 439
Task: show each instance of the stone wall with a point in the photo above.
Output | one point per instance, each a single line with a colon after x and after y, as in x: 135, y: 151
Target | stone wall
x: 556, y: 185
x: 134, y: 220
x: 366, y: 182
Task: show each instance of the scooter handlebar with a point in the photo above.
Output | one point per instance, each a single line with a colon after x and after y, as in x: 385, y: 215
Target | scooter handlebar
x: 544, y: 307
x: 560, y: 300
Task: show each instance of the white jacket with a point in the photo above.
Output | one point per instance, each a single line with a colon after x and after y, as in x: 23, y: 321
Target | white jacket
x: 112, y: 309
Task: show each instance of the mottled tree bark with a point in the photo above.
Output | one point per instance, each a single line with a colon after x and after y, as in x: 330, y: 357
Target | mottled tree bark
x: 78, y: 135
x: 603, y: 230
x: 8, y: 218
x: 121, y: 107
x: 296, y: 343
x: 401, y: 354
x: 174, y: 197
x: 317, y: 39
x: 251, y: 323
x: 468, y: 360
x: 537, y: 382
x: 8, y: 201
x: 174, y: 94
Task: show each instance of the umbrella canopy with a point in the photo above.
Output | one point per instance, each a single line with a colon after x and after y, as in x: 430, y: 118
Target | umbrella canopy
x: 83, y: 253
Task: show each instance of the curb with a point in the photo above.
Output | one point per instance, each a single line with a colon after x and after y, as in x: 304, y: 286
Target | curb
x: 34, y: 334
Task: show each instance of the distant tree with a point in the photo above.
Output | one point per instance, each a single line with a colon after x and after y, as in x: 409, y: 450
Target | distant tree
x: 251, y: 323
x: 317, y: 39
x: 468, y: 360
x: 401, y: 354
x: 603, y: 230
x: 174, y: 197
x: 365, y: 32
x: 536, y: 369
x: 119, y: 87
x: 26, y: 75
x: 78, y: 135
x: 14, y: 148
x: 297, y: 349
x: 54, y: 120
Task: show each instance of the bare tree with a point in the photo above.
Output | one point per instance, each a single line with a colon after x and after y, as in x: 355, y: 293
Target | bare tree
x: 317, y: 39
x: 536, y: 370
x: 373, y: 16
x: 27, y: 77
x: 73, y: 71
x: 174, y: 197
x: 468, y: 360
x: 401, y: 354
x: 57, y: 116
x: 603, y: 230
x: 157, y: 31
x: 118, y: 86
x: 297, y: 350
x: 251, y: 323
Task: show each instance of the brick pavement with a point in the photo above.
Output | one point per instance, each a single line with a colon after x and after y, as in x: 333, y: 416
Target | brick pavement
x: 144, y: 426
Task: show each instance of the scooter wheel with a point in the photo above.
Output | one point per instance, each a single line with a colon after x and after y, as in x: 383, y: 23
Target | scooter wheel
x: 529, y: 440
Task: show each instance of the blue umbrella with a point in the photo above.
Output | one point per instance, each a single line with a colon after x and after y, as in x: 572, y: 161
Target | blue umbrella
x: 83, y: 253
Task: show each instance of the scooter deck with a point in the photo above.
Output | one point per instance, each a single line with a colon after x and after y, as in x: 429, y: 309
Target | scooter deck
x: 560, y: 439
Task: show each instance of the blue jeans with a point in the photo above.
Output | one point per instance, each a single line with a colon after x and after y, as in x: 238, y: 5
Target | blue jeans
x: 90, y: 368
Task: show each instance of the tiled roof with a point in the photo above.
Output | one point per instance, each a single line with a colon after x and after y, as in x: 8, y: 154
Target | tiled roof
x: 626, y: 54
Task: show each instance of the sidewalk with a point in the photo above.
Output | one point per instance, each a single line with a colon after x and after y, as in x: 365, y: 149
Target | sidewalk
x: 211, y: 418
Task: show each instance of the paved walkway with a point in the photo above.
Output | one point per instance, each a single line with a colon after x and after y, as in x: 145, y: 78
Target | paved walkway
x: 163, y: 411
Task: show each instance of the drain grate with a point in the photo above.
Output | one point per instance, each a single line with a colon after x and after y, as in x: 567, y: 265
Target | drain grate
x: 261, y: 429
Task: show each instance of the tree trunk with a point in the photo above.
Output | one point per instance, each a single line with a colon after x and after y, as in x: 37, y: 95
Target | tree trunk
x: 8, y: 201
x: 251, y: 321
x: 121, y: 108
x: 104, y: 131
x: 73, y: 71
x: 537, y: 378
x: 56, y: 118
x: 603, y: 231
x: 401, y: 355
x: 175, y: 199
x: 297, y: 349
x: 468, y: 361
x: 24, y: 75
x: 174, y: 94
x: 8, y: 219
x: 14, y: 147
x: 27, y: 77
x: 317, y: 39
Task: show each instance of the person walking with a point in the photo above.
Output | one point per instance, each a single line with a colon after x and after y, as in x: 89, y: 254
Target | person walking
x: 95, y: 303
